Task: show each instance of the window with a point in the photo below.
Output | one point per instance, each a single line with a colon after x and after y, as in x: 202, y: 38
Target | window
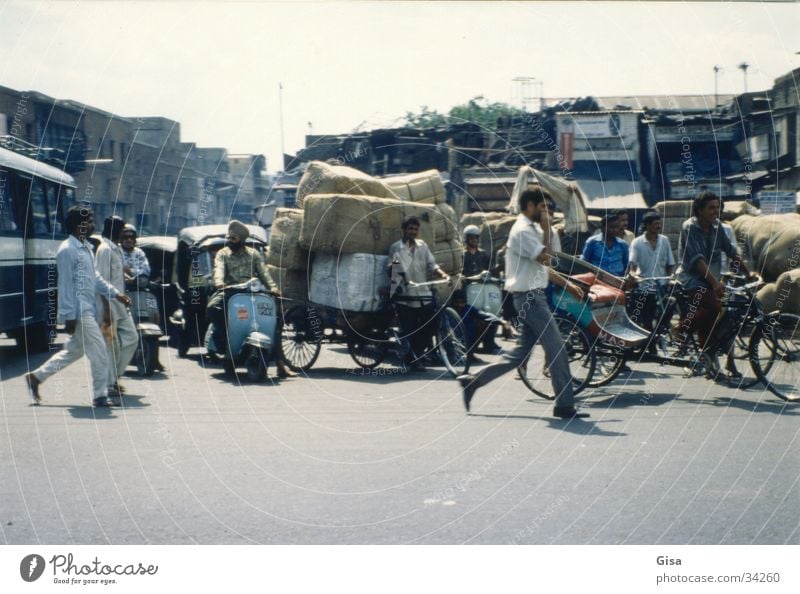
x: 8, y: 214
x: 55, y: 209
x: 37, y: 207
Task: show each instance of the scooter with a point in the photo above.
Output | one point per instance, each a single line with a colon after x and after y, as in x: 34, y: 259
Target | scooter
x: 144, y: 310
x: 485, y: 298
x: 252, y: 317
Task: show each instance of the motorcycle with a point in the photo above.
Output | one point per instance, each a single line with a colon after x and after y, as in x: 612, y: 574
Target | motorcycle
x: 252, y: 318
x: 146, y: 317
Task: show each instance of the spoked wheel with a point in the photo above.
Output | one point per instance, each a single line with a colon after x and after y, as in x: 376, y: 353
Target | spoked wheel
x: 609, y: 362
x: 368, y: 350
x: 535, y: 373
x: 452, y: 342
x: 300, y: 338
x: 775, y: 355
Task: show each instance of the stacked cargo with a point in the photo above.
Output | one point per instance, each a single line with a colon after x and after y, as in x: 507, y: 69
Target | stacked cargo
x: 771, y: 247
x: 673, y: 214
x: 340, y: 239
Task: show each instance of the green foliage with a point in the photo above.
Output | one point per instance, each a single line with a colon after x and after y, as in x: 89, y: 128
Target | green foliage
x: 477, y: 110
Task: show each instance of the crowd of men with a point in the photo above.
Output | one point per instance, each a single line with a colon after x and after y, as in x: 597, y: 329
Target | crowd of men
x: 93, y: 305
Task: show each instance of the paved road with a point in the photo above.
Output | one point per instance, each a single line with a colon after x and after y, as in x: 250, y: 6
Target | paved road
x: 338, y: 457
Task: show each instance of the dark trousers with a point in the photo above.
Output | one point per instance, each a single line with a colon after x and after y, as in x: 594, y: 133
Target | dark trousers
x: 215, y: 312
x: 699, y: 314
x: 417, y: 324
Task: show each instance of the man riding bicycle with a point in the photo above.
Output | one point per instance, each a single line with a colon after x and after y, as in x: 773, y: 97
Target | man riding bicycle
x: 702, y: 242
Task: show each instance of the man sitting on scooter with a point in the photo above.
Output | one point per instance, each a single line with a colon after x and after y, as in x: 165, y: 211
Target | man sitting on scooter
x: 235, y: 264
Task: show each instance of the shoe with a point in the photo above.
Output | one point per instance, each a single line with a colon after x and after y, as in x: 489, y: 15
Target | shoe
x: 568, y: 412
x: 119, y: 388
x: 285, y: 372
x: 469, y: 385
x: 114, y: 392
x: 33, y: 388
x: 493, y: 349
x: 100, y: 403
x: 114, y: 401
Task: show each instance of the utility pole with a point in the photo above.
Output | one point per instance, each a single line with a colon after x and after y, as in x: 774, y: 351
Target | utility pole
x: 743, y: 67
x: 280, y: 111
x: 717, y: 70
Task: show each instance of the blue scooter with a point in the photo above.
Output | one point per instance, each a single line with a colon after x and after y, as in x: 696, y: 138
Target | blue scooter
x: 252, y: 317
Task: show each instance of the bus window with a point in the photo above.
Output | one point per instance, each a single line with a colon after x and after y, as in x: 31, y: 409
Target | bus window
x: 8, y: 212
x: 54, y: 209
x: 38, y: 210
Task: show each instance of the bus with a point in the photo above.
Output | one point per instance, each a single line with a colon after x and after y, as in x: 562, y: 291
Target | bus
x: 34, y: 197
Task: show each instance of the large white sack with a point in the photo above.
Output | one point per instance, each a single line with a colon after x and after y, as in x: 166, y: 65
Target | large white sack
x: 285, y: 250
x: 321, y: 178
x: 425, y: 186
x: 352, y: 282
x: 344, y: 224
x: 567, y: 196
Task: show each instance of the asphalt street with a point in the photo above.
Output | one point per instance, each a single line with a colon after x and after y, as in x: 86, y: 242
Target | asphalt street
x: 195, y: 457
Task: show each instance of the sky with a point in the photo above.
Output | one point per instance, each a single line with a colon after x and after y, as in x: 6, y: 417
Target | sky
x: 216, y: 67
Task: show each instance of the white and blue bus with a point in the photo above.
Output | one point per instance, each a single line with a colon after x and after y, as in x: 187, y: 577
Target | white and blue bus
x: 34, y: 197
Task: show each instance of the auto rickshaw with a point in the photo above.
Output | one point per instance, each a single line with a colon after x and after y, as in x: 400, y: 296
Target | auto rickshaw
x: 193, y: 277
x: 160, y: 251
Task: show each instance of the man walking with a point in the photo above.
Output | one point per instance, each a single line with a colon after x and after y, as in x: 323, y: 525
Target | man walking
x: 78, y: 282
x: 528, y: 254
x: 121, y: 338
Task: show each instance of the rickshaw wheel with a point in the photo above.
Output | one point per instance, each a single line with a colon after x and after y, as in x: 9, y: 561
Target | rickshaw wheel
x: 535, y: 373
x: 452, y: 342
x: 368, y: 351
x: 608, y: 365
x: 300, y: 338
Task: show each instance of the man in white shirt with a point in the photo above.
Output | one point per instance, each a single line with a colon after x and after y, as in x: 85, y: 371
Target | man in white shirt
x: 651, y: 256
x: 411, y: 257
x: 112, y: 316
x: 528, y: 255
x: 78, y: 283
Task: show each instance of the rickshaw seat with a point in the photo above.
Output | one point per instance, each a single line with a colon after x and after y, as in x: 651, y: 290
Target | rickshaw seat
x: 600, y: 291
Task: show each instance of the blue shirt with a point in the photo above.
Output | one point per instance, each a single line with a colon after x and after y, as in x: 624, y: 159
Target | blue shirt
x: 78, y: 282
x: 613, y: 259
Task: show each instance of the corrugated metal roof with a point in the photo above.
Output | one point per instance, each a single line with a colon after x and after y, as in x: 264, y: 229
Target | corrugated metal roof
x: 664, y: 102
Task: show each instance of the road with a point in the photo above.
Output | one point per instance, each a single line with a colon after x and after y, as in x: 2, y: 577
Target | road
x: 194, y: 457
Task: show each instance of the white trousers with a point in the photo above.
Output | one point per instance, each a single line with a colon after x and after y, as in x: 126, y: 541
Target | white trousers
x: 120, y: 351
x: 87, y: 340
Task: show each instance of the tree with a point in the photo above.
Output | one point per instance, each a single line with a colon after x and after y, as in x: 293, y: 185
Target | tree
x: 477, y: 110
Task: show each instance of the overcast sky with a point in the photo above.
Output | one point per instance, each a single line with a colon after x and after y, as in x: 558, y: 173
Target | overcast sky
x: 216, y: 66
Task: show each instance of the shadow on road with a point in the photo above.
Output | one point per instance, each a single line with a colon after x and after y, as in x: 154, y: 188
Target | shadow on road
x: 577, y: 426
x: 631, y: 399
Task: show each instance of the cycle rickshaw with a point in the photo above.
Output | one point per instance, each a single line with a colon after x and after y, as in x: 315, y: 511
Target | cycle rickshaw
x: 369, y: 336
x: 601, y: 338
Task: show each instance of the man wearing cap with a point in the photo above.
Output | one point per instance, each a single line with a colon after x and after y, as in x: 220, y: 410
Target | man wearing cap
x: 234, y: 264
